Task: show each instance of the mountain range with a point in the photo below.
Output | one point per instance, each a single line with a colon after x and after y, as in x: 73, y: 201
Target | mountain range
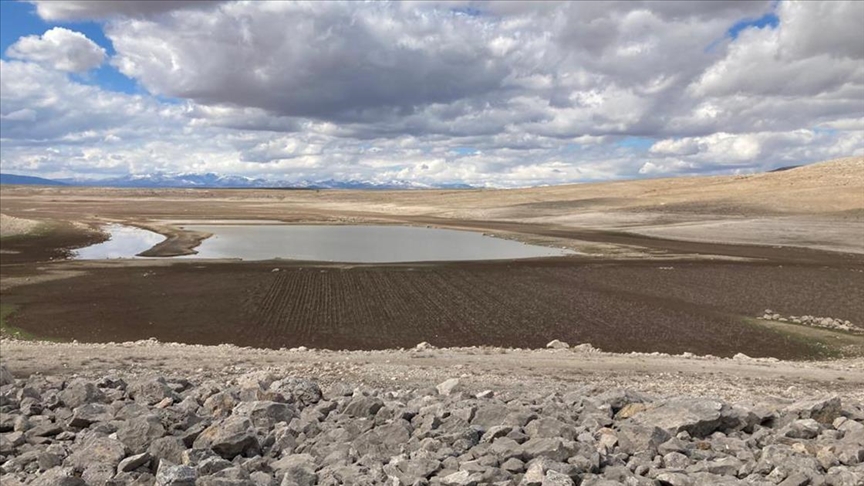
x: 211, y: 180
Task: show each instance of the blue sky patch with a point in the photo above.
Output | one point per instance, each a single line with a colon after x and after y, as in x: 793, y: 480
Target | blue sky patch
x: 639, y: 143
x: 770, y: 19
x: 18, y: 19
x: 465, y: 150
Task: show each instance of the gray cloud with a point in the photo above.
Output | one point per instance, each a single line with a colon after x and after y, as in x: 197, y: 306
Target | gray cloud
x: 72, y: 10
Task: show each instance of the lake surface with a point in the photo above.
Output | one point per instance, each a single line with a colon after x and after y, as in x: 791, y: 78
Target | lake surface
x: 125, y: 242
x: 350, y: 244
x: 359, y: 244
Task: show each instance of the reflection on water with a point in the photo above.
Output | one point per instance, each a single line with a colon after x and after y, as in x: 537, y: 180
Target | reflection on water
x: 124, y: 242
x: 358, y: 244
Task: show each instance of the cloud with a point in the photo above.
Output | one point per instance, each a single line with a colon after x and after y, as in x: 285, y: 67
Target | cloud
x: 487, y: 93
x: 76, y: 10
x: 343, y: 61
x: 60, y: 48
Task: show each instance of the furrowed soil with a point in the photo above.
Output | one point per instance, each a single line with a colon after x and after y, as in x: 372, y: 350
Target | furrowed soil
x: 697, y: 307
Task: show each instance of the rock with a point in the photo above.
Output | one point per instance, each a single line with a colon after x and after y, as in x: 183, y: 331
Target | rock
x: 90, y: 413
x: 5, y: 376
x: 699, y: 417
x: 173, y: 475
x: 99, y: 450
x: 229, y: 437
x: 802, y: 429
x: 424, y: 346
x: 59, y: 476
x: 554, y: 478
x: 98, y: 474
x: 822, y: 410
x: 675, y: 460
x: 447, y: 387
x: 139, y: 432
x: 550, y: 448
x: 297, y: 470
x: 151, y: 391
x: 550, y: 427
x: 297, y: 390
x: 133, y: 462
x: 265, y: 414
x: 556, y: 344
x: 167, y: 449
x: 636, y: 438
x: 363, y: 406
x: 461, y: 478
x: 79, y: 392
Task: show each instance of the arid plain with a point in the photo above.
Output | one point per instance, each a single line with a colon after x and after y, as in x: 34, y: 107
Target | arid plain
x: 668, y: 265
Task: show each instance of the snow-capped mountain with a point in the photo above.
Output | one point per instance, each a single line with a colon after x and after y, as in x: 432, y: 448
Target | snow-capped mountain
x: 211, y: 180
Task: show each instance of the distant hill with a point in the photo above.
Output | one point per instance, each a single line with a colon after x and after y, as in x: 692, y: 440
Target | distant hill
x: 210, y: 180
x: 19, y: 179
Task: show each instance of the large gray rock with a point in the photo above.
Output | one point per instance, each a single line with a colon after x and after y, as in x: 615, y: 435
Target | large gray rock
x: 448, y: 386
x: 363, y: 406
x: 265, y: 414
x: 550, y: 448
x: 59, y: 476
x: 295, y: 390
x: 699, y: 417
x: 168, y: 449
x: 229, y: 437
x: 79, y: 391
x: 90, y: 413
x: 555, y: 478
x: 296, y: 470
x: 634, y: 438
x: 549, y: 427
x: 137, y: 433
x: 151, y: 391
x: 173, y: 475
x: 823, y: 410
x: 98, y: 450
x: 133, y: 462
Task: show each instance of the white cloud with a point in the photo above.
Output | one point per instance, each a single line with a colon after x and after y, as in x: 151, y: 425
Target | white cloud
x: 60, y: 48
x: 523, y: 93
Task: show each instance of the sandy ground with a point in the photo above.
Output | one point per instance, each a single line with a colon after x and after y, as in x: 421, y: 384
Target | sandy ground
x: 541, y: 371
x: 12, y: 226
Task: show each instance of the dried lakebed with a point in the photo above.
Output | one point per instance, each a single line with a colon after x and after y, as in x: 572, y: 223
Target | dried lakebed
x: 342, y: 243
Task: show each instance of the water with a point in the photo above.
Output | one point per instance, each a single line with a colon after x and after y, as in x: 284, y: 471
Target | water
x: 124, y: 242
x: 354, y: 244
x: 359, y: 244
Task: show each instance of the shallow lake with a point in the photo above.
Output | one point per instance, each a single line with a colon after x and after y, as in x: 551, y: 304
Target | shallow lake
x: 359, y: 244
x: 353, y: 244
x: 125, y: 242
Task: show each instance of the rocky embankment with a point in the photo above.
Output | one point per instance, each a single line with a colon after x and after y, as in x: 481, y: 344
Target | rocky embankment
x: 260, y: 429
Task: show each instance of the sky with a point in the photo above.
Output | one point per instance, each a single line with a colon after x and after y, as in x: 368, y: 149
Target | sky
x: 498, y: 94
